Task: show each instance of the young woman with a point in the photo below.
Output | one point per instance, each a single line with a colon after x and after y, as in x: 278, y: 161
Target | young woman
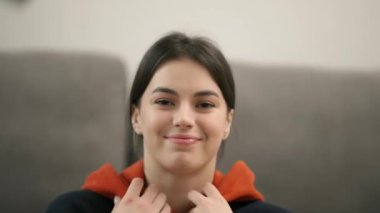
x: 181, y: 108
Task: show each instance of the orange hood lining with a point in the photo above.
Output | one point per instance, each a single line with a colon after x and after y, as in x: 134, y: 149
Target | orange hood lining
x: 236, y: 185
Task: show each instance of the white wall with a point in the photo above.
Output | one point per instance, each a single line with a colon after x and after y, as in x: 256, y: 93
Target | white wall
x: 332, y: 33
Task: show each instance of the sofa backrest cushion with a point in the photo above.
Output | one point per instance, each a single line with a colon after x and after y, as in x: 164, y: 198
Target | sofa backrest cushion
x: 311, y: 135
x: 62, y: 115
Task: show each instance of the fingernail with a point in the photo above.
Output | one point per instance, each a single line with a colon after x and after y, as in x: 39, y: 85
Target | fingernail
x: 116, y: 200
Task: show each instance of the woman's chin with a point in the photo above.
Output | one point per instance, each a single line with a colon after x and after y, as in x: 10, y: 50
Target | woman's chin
x: 181, y: 163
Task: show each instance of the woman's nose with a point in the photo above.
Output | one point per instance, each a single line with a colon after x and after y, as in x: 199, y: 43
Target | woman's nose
x: 183, y: 117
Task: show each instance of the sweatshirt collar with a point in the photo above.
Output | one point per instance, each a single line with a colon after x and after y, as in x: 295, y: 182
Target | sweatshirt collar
x: 236, y: 185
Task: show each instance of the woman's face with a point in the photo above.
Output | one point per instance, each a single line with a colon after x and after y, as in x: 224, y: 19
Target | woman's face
x: 182, y: 117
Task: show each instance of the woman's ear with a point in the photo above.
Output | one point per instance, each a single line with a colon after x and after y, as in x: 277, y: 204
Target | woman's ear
x: 230, y: 117
x: 135, y: 120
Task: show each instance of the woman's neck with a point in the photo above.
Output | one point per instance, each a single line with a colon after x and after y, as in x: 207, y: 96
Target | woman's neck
x: 176, y: 185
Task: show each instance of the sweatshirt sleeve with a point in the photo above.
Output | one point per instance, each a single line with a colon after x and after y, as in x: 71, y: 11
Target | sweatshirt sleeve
x: 81, y: 201
x: 256, y: 206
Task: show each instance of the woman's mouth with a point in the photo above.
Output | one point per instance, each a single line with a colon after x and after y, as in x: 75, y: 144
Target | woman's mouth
x: 182, y: 139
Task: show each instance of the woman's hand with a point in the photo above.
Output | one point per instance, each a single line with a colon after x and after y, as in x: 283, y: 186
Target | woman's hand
x: 210, y: 201
x: 151, y: 201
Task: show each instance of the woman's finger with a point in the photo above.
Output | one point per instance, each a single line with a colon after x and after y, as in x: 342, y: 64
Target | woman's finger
x: 150, y: 193
x: 166, y: 209
x: 160, y: 201
x: 134, y: 190
x: 211, y: 191
x: 196, y: 197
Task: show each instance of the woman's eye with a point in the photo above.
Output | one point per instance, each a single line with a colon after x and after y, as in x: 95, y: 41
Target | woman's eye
x: 164, y: 102
x: 205, y: 105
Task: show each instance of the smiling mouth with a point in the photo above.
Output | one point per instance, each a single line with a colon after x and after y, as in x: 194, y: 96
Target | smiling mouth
x: 183, y: 139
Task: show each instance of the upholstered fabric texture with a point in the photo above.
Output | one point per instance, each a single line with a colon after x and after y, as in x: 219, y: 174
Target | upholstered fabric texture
x: 311, y: 135
x: 61, y: 116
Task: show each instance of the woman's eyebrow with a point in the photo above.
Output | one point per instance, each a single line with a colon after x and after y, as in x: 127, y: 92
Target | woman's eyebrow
x: 173, y: 92
x: 206, y: 93
x: 164, y: 90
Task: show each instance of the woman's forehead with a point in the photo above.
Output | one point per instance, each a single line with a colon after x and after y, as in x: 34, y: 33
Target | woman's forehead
x: 183, y: 74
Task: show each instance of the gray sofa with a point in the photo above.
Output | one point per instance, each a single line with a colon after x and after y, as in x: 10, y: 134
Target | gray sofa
x: 62, y: 116
x: 311, y: 135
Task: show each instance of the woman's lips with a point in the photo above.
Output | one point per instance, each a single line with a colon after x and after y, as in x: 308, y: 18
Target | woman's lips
x: 182, y: 139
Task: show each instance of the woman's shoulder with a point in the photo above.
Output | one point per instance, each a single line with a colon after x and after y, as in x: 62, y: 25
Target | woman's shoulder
x: 80, y: 201
x: 256, y: 206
